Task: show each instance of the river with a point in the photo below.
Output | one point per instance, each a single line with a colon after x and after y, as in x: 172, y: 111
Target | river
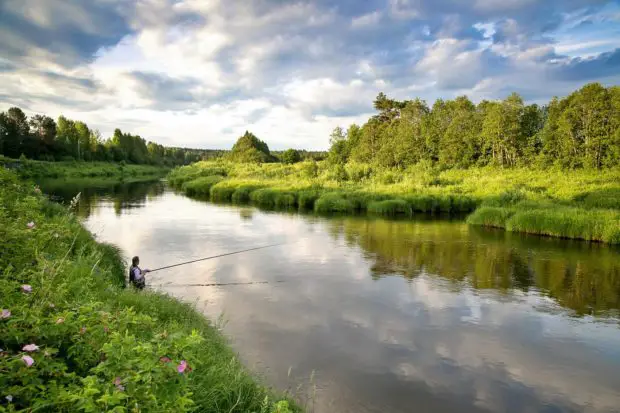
x: 355, y: 314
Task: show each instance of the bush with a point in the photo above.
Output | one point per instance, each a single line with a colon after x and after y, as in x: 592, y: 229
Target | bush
x: 221, y: 192
x: 264, y: 197
x: 332, y: 202
x: 390, y: 207
x: 242, y: 194
x: 490, y: 217
x: 201, y: 186
x: 73, y: 340
x: 306, y: 199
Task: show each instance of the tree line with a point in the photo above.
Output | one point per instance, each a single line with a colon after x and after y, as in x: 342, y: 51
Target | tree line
x: 580, y: 130
x: 40, y: 137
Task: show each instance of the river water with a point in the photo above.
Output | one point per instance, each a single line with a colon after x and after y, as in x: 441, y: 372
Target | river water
x: 354, y: 314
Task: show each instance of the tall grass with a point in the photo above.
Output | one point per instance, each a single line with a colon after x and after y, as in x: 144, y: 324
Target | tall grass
x: 76, y: 169
x: 92, y: 333
x: 494, y: 194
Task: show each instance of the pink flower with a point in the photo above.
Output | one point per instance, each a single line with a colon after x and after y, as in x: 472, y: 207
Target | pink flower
x: 5, y: 314
x: 181, y: 367
x: 117, y: 383
x: 28, y: 360
x: 30, y: 225
x: 60, y: 321
x: 30, y: 347
x: 165, y: 359
x: 106, y: 329
x: 27, y: 288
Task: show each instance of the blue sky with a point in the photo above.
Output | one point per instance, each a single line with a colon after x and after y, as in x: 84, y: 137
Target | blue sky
x: 200, y: 72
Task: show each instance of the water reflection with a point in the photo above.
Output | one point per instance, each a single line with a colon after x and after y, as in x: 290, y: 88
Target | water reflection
x: 124, y: 195
x: 391, y: 316
x: 581, y: 276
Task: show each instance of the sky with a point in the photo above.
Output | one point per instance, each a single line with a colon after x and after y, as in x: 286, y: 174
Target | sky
x: 199, y: 73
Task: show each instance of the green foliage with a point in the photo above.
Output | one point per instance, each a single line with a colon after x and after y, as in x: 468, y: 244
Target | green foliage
x: 42, y: 169
x: 290, y: 156
x: 581, y: 130
x: 250, y: 149
x: 333, y: 202
x: 390, y: 207
x: 490, y: 217
x: 40, y: 137
x: 425, y: 188
x: 96, y: 346
x: 201, y: 186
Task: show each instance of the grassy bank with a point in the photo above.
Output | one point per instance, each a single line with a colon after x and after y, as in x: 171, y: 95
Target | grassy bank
x: 73, y: 339
x: 41, y: 169
x: 578, y: 204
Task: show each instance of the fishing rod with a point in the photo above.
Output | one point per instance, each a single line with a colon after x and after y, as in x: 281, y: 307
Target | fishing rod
x: 215, y: 256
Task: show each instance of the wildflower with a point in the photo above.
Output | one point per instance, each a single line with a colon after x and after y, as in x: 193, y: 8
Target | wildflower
x: 82, y: 330
x: 9, y: 398
x: 118, y: 383
x: 37, y: 190
x: 52, y: 305
x: 56, y: 235
x: 165, y: 359
x: 26, y: 288
x: 182, y: 366
x: 28, y: 360
x: 5, y: 314
x: 60, y: 321
x: 106, y: 329
x: 30, y: 347
x: 30, y: 225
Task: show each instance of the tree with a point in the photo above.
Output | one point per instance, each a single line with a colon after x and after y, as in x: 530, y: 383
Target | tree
x: 44, y: 128
x: 14, y: 125
x: 291, y: 156
x: 250, y: 149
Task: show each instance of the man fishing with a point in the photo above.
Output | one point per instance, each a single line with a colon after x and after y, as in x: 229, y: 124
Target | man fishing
x: 136, y: 274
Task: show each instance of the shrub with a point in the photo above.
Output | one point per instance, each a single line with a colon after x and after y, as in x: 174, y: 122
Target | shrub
x: 73, y: 341
x: 306, y: 199
x: 201, y: 186
x: 285, y: 200
x: 221, y: 192
x: 490, y: 217
x: 390, y: 207
x: 242, y: 194
x: 332, y: 202
x: 264, y: 197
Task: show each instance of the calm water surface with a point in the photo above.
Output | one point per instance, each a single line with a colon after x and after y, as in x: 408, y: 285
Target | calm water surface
x: 372, y: 315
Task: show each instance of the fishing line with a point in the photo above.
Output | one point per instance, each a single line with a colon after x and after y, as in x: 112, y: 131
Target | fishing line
x: 219, y: 284
x: 215, y: 256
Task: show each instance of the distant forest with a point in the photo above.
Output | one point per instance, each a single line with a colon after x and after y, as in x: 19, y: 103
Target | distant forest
x: 40, y: 137
x: 580, y: 130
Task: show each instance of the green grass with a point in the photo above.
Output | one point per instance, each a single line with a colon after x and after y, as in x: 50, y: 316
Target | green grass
x: 92, y: 333
x: 41, y: 169
x: 558, y: 202
x: 390, y: 207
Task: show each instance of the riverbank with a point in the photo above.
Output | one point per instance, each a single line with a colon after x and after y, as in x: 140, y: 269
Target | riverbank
x: 72, y: 338
x: 28, y: 169
x: 579, y: 204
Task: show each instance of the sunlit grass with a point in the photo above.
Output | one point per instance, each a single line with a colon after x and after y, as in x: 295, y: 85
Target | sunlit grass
x: 567, y: 201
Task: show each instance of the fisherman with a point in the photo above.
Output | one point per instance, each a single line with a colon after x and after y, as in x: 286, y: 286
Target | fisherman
x: 136, y: 274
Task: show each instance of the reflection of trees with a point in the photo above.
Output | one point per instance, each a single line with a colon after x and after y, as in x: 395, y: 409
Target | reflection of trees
x: 123, y: 195
x: 581, y: 276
